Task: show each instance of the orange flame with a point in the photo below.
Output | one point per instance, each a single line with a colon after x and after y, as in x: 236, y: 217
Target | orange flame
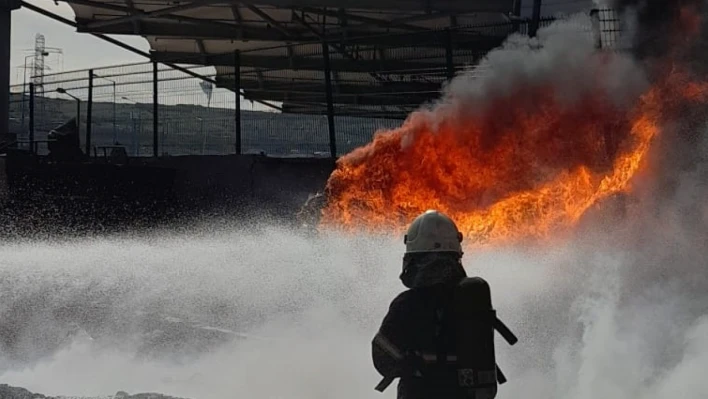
x: 523, y: 167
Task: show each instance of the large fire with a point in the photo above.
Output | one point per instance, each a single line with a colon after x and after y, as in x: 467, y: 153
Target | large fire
x: 522, y: 166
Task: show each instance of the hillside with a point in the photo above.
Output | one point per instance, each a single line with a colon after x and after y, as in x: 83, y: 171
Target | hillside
x: 193, y: 129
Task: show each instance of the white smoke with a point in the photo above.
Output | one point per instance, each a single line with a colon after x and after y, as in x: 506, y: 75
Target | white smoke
x: 562, y: 57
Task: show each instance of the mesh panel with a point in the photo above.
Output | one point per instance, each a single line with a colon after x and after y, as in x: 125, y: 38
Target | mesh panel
x: 375, y: 84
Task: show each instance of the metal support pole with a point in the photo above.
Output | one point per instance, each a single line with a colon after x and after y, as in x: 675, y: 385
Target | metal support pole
x: 89, y: 113
x: 449, y: 63
x: 31, y: 117
x: 535, y: 18
x: 115, y: 133
x: 5, y: 17
x: 596, y: 29
x: 330, y: 101
x: 78, y: 123
x: 237, y: 93
x: 517, y: 14
x: 517, y: 8
x: 155, y: 121
x: 24, y: 91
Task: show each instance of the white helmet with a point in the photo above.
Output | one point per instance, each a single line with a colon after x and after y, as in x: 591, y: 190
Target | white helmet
x: 433, y: 232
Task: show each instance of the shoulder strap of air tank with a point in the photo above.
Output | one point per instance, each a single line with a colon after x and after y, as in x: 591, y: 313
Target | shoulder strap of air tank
x: 504, y: 331
x: 509, y: 336
x: 441, y: 314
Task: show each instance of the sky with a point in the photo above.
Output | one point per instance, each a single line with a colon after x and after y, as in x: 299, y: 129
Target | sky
x: 83, y: 51
x: 80, y: 50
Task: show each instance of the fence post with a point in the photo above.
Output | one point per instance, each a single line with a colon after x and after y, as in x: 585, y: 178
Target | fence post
x: 449, y: 63
x: 78, y: 124
x: 24, y: 95
x: 6, y: 8
x: 535, y: 18
x: 89, y: 113
x: 237, y: 93
x: 155, y: 120
x: 330, y: 101
x: 31, y: 117
x: 596, y: 30
x: 517, y: 15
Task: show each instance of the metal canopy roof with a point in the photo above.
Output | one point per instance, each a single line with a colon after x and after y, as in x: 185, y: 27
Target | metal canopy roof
x: 386, y: 56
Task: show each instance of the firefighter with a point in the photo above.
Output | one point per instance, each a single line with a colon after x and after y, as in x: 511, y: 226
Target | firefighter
x: 442, y: 313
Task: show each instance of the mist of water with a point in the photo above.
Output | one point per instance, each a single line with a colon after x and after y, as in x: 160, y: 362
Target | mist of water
x: 617, y: 312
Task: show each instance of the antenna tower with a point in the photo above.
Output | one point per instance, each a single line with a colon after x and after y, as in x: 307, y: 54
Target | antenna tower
x: 38, y: 73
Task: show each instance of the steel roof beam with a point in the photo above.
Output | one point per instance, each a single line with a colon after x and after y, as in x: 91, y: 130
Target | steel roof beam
x: 238, y: 18
x: 359, y: 18
x: 205, y: 29
x: 138, y: 14
x: 83, y: 23
x: 277, y: 25
x: 202, y: 50
x: 105, y: 6
x: 302, y: 63
x: 320, y: 98
x: 346, y: 111
x: 421, y: 17
x: 191, y: 30
x: 237, y: 14
x: 343, y: 89
x: 457, y: 6
x: 340, y: 49
x: 132, y: 10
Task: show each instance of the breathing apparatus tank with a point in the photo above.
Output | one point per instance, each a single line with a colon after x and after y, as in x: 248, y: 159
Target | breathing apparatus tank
x: 475, y: 323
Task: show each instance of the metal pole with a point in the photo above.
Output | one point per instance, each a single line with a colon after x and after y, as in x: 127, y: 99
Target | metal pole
x: 115, y: 134
x: 31, y: 117
x: 24, y: 89
x: 517, y: 8
x: 535, y: 17
x: 78, y: 123
x: 517, y: 14
x: 5, y: 17
x: 237, y: 93
x: 154, y: 110
x: 89, y: 113
x: 163, y: 134
x: 449, y: 62
x: 330, y: 103
x: 596, y: 30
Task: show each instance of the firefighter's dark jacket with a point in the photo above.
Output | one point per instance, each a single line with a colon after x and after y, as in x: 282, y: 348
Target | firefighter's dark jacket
x: 416, y: 339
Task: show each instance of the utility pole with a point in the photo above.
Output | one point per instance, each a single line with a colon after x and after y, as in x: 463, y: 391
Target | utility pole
x: 6, y: 8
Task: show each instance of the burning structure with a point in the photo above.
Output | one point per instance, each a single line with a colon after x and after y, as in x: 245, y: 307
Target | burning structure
x: 554, y: 130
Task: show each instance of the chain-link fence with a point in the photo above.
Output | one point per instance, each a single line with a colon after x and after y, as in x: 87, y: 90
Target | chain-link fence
x: 307, y: 99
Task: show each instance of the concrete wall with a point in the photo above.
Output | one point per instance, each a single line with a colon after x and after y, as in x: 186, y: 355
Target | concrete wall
x: 81, y: 197
x: 3, y: 180
x: 279, y: 184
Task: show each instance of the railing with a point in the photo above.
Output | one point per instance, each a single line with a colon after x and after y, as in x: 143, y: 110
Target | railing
x: 5, y: 146
x: 308, y: 99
